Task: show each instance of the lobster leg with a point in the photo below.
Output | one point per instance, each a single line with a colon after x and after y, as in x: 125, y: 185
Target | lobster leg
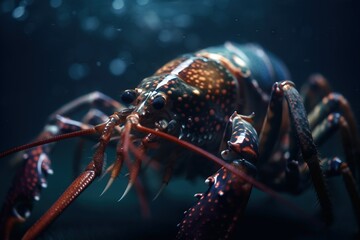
x: 329, y: 127
x: 315, y: 89
x: 92, y: 117
x: 31, y: 177
x: 336, y: 167
x: 218, y: 210
x: 302, y: 134
x: 94, y: 99
x: 307, y: 146
x: 335, y: 105
x: 93, y: 170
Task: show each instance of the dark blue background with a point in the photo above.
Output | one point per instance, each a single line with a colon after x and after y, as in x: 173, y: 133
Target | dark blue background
x: 58, y: 50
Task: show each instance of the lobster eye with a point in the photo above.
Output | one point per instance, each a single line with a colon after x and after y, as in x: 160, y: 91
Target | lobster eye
x: 128, y: 96
x: 158, y: 102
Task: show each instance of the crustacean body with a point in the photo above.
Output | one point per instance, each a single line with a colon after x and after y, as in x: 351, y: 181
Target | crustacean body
x: 194, y: 110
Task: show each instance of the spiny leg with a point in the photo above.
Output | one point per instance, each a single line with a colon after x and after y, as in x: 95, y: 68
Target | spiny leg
x: 95, y: 100
x: 272, y: 123
x: 336, y: 103
x: 21, y: 191
x: 307, y: 146
x: 333, y: 123
x: 167, y: 173
x: 31, y: 176
x: 302, y: 134
x: 336, y: 167
x: 315, y: 89
x: 92, y: 117
x: 93, y: 170
x: 274, y: 146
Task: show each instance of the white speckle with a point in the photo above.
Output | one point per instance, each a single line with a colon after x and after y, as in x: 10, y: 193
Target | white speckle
x: 55, y: 3
x: 117, y: 66
x: 27, y: 214
x: 118, y: 4
x: 18, y: 12
x: 98, y: 63
x: 78, y: 71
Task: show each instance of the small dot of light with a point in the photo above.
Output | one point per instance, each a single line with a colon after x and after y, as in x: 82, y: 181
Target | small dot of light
x: 118, y: 4
x: 90, y: 23
x: 109, y: 32
x: 55, y: 3
x: 18, y: 12
x: 117, y: 66
x: 142, y: 2
x: 165, y: 36
x: 78, y: 71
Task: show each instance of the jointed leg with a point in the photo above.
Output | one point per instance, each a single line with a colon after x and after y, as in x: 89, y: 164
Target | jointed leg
x: 336, y: 167
x: 307, y: 146
x: 301, y: 131
x: 93, y: 100
x: 315, y: 89
x: 92, y: 171
x: 36, y: 163
x: 92, y: 117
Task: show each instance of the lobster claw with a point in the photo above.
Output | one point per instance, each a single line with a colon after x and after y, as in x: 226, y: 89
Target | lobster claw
x: 25, y: 189
x: 218, y: 210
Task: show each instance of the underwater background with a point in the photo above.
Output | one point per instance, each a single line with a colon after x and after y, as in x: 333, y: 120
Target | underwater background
x: 54, y: 51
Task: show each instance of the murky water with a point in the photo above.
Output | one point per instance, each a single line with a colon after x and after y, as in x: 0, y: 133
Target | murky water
x: 53, y: 51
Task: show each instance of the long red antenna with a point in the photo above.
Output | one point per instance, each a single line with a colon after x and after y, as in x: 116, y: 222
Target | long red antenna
x: 49, y: 140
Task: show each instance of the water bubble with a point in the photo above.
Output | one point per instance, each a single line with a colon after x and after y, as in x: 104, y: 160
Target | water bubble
x: 18, y: 12
x: 182, y: 20
x: 78, y: 71
x: 55, y: 3
x: 118, y: 4
x: 109, y: 32
x: 98, y: 63
x: 90, y: 23
x: 117, y: 66
x: 142, y: 2
x: 151, y: 20
x: 165, y: 36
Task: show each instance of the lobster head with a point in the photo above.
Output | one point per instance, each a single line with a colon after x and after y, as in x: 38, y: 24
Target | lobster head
x: 162, y: 100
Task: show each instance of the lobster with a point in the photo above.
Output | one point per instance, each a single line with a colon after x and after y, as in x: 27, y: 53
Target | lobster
x: 197, y: 110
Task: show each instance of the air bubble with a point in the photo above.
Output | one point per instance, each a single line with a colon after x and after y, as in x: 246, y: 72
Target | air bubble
x: 18, y: 12
x: 142, y: 2
x: 117, y: 66
x: 118, y: 4
x: 90, y: 24
x: 55, y: 3
x: 78, y: 71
